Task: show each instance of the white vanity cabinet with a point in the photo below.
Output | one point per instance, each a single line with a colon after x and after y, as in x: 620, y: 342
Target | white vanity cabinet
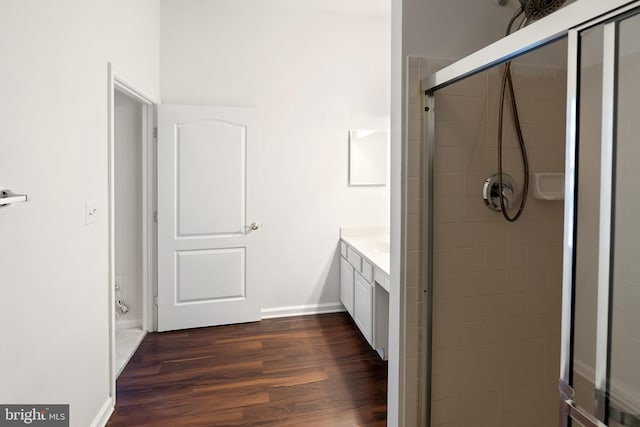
x: 346, y: 285
x: 364, y: 292
x: 363, y: 306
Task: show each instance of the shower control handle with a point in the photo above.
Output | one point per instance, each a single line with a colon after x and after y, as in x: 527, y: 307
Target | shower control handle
x: 491, y: 195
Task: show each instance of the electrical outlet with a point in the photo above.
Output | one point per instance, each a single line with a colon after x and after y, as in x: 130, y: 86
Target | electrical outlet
x: 90, y: 212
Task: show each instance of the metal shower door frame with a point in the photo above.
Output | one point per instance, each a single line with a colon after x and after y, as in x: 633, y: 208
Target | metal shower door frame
x: 570, y: 409
x: 568, y: 23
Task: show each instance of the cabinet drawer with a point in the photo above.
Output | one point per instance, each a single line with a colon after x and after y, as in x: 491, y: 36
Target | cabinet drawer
x: 367, y: 271
x: 343, y: 249
x: 354, y: 259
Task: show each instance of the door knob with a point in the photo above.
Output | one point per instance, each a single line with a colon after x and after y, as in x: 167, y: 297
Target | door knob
x: 254, y: 226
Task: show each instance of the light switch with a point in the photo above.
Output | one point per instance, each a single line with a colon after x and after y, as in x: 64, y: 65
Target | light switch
x: 90, y: 212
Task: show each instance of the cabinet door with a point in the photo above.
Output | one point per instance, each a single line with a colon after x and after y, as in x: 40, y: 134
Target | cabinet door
x: 363, y: 306
x: 346, y: 285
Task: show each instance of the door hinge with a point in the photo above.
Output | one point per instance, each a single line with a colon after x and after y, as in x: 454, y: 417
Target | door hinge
x: 155, y: 216
x: 155, y: 300
x: 155, y: 132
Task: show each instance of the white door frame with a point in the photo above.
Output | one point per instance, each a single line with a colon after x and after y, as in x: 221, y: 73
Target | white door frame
x: 148, y: 207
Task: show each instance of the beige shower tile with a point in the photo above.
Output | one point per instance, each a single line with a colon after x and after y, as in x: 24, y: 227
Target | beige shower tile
x: 473, y: 284
x: 536, y: 279
x: 414, y: 129
x: 476, y: 85
x: 450, y: 108
x: 492, y: 404
x: 450, y: 134
x: 532, y: 111
x: 495, y: 331
x: 516, y: 256
x: 496, y: 233
x: 447, y: 236
x: 448, y: 311
x: 537, y: 135
x: 494, y: 355
x: 496, y: 258
x: 536, y: 302
x: 473, y: 234
x: 448, y: 335
x: 472, y: 333
x: 475, y: 135
x: 444, y: 411
x: 448, y: 185
x: 446, y: 286
x: 535, y: 352
x: 448, y: 385
x: 457, y: 88
x: 473, y: 309
x: 476, y: 159
x: 494, y: 307
x: 475, y: 109
x: 516, y: 280
x: 537, y: 231
x: 413, y: 81
x: 515, y: 351
x: 493, y: 379
x: 473, y: 184
x: 450, y: 211
x: 515, y: 305
x: 539, y: 255
x: 474, y: 210
x: 415, y: 160
x: 517, y: 232
x: 449, y: 159
x: 514, y: 381
x: 473, y: 259
x: 495, y: 282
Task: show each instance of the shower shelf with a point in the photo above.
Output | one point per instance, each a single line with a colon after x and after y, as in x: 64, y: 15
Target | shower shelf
x: 548, y: 186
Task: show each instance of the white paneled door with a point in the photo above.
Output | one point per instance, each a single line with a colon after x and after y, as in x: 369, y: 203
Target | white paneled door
x: 207, y: 216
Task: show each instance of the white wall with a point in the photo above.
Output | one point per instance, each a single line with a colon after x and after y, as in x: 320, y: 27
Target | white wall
x: 313, y: 73
x: 54, y: 146
x: 128, y: 206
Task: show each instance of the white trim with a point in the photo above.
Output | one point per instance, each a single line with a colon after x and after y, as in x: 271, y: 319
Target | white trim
x: 111, y: 240
x: 301, y: 310
x: 104, y: 413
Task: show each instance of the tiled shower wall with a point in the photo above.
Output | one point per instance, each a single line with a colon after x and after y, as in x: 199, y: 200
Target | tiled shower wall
x: 497, y: 286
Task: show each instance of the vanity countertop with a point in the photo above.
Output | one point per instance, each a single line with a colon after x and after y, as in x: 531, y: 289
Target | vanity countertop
x: 372, y: 242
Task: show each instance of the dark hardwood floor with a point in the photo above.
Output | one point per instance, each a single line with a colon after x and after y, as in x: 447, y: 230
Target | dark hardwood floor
x: 307, y: 371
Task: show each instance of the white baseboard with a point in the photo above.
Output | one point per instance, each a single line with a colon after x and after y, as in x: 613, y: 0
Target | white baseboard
x: 301, y: 310
x: 103, y: 415
x: 128, y: 324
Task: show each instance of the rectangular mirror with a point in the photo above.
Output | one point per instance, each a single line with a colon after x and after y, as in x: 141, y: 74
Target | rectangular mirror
x: 368, y: 157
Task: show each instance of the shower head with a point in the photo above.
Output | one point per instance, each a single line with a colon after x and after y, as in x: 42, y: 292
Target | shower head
x: 536, y: 9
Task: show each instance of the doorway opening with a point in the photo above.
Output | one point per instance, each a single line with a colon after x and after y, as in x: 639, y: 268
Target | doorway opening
x: 128, y: 226
x: 132, y: 230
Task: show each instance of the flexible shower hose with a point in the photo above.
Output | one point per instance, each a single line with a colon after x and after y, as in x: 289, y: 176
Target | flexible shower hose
x: 507, y: 81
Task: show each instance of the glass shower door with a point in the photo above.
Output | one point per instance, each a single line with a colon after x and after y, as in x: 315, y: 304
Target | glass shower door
x: 601, y: 325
